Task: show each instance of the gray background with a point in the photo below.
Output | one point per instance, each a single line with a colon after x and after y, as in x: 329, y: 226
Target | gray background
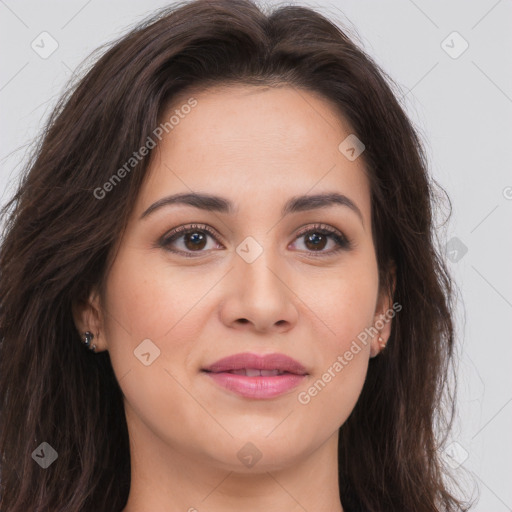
x: 462, y: 108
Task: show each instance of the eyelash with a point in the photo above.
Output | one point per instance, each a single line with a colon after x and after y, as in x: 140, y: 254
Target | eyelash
x: 342, y: 242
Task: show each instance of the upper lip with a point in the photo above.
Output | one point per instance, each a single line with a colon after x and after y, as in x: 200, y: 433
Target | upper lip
x: 248, y: 360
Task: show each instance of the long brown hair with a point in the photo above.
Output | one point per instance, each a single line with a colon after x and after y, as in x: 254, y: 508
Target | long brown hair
x: 59, y: 237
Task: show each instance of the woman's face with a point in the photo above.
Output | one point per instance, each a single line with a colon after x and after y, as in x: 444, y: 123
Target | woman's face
x: 261, y: 277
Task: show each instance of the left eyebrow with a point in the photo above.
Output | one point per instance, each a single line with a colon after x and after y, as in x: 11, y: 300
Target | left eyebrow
x: 319, y: 201
x: 219, y: 204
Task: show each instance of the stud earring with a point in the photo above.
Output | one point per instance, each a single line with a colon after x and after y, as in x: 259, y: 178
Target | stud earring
x: 88, y: 337
x: 382, y: 343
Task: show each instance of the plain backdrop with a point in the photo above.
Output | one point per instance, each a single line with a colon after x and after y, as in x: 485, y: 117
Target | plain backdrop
x: 451, y: 60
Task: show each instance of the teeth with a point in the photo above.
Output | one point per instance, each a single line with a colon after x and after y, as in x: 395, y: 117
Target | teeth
x: 237, y: 372
x: 269, y: 373
x: 252, y: 372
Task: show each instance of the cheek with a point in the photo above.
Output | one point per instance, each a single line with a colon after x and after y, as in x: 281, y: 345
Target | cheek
x: 345, y: 309
x: 336, y: 387
x: 347, y: 304
x: 163, y: 304
x: 143, y: 304
x: 151, y: 300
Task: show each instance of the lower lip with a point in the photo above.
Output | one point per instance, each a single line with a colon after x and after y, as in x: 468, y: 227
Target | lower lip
x: 257, y: 387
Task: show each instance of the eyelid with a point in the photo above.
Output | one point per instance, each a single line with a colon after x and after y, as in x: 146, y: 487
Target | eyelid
x: 188, y: 227
x: 320, y: 227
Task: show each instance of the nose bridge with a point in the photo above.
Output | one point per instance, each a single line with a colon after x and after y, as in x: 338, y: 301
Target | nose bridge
x: 259, y: 263
x: 260, y: 293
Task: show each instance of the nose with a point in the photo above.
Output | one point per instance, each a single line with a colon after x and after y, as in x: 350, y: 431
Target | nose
x: 259, y: 296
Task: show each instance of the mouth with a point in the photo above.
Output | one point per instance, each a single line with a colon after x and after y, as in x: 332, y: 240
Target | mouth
x: 257, y: 376
x: 254, y: 365
x: 254, y: 372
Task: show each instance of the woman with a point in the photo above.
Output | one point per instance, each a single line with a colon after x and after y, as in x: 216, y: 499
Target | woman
x: 220, y: 284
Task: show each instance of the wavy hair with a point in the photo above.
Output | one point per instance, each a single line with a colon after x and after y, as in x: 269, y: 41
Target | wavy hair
x: 59, y: 238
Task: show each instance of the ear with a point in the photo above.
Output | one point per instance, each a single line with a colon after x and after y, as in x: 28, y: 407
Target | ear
x: 87, y: 315
x: 384, y: 312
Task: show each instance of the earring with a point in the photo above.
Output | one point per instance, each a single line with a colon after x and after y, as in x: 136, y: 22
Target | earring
x: 88, y: 336
x: 382, y: 343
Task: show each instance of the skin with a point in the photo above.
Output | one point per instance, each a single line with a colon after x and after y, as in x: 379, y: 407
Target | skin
x: 258, y: 147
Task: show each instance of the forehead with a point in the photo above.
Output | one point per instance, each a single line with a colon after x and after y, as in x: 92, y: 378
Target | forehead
x: 269, y: 141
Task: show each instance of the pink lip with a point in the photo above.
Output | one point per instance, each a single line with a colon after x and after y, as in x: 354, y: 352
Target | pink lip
x: 259, y: 387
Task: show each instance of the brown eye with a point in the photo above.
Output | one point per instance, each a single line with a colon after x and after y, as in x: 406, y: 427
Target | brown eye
x: 195, y: 240
x: 186, y: 240
x: 316, y: 241
x: 317, y: 238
